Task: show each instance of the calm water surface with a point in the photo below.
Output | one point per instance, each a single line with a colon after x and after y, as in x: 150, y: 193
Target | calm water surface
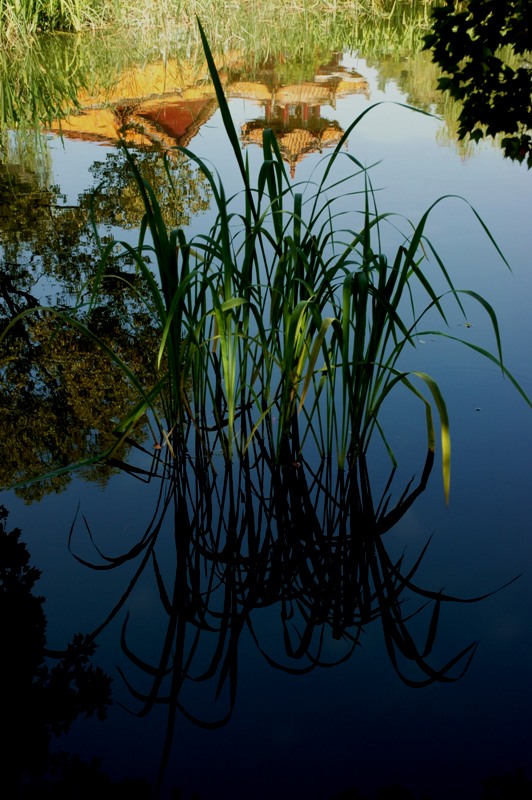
x: 315, y: 735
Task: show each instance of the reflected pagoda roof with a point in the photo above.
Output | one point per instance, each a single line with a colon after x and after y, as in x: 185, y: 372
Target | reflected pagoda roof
x: 294, y: 143
x: 165, y: 104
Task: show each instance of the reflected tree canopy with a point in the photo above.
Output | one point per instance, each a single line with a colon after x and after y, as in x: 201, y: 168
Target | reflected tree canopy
x: 60, y: 393
x: 182, y: 191
x: 60, y: 380
x: 41, y: 695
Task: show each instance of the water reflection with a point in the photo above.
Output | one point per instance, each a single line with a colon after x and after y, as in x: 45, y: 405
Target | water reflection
x: 167, y: 104
x: 58, y: 390
x: 294, y: 554
x: 51, y: 374
x: 46, y: 695
x: 299, y: 600
x: 89, y: 87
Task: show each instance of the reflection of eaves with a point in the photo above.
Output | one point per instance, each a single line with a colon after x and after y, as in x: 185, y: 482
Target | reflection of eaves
x: 142, y: 123
x: 311, y: 95
x: 156, y: 121
x: 321, y: 91
x: 249, y: 90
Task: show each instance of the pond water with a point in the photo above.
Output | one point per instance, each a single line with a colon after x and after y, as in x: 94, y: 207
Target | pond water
x: 356, y: 724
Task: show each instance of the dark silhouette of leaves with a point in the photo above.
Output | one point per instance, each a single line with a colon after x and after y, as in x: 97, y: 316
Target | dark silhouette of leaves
x: 484, y: 47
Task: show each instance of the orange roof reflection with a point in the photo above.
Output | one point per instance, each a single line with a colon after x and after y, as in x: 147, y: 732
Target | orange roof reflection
x: 165, y: 104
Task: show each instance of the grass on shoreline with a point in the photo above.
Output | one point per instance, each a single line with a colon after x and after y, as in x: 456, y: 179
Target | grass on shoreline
x: 22, y: 22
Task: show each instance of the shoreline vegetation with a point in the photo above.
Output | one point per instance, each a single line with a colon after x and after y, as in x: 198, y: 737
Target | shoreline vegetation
x: 23, y: 22
x: 51, y: 60
x: 389, y: 30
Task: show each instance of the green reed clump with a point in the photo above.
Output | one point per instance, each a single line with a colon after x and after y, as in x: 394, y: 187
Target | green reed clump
x: 290, y: 320
x: 289, y: 316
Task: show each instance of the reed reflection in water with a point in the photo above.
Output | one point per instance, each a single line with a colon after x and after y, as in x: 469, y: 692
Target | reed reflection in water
x: 302, y: 539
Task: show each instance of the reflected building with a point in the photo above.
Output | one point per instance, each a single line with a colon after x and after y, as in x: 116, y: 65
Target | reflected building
x: 294, y: 111
x: 158, y: 106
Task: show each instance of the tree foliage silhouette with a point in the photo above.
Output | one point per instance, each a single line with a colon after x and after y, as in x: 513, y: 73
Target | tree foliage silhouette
x: 39, y: 698
x: 484, y: 49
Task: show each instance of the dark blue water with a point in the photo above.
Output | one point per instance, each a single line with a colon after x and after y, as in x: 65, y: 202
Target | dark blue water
x: 356, y: 724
